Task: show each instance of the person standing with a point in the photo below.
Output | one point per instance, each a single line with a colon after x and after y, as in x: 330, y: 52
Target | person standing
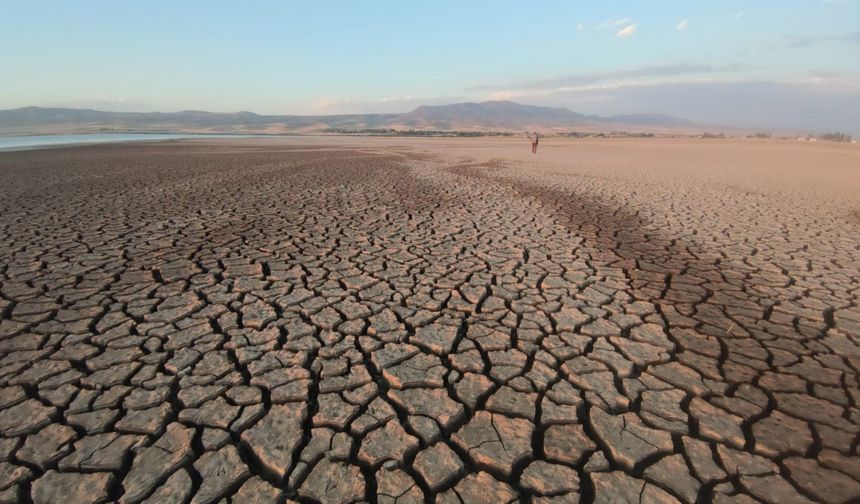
x: 533, y: 136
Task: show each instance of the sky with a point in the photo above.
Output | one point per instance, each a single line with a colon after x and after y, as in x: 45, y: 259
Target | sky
x: 769, y: 63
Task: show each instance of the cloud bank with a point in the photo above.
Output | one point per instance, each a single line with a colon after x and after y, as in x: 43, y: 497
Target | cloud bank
x: 814, y: 106
x: 584, y: 79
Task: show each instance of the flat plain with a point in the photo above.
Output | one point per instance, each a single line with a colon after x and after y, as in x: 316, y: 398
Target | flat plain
x: 345, y: 320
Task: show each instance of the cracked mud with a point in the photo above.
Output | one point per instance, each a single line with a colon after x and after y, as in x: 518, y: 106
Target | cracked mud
x: 256, y: 321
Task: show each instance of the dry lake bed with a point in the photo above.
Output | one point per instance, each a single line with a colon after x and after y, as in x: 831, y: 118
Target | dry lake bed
x: 438, y: 320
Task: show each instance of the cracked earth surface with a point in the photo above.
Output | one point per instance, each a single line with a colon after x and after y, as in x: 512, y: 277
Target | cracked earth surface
x: 257, y: 322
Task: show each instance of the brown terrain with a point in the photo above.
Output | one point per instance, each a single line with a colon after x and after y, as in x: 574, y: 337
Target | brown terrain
x: 398, y: 320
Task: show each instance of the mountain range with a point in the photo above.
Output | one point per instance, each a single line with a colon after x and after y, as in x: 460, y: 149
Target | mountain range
x: 484, y: 116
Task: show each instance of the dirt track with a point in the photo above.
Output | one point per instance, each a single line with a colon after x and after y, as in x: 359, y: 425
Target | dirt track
x: 343, y: 320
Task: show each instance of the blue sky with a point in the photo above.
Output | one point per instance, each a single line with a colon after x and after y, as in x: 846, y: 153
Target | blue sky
x: 707, y: 61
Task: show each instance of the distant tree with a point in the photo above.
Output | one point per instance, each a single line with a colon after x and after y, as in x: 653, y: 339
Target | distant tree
x: 836, y: 137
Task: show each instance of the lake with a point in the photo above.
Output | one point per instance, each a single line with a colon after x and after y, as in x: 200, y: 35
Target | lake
x: 25, y: 142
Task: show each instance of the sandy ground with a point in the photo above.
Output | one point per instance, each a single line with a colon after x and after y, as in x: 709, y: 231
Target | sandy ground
x: 339, y: 319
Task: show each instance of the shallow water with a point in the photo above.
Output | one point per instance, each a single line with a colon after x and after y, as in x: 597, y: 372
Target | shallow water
x: 26, y: 142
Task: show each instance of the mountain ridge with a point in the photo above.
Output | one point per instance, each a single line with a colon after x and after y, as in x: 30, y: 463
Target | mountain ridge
x: 465, y: 116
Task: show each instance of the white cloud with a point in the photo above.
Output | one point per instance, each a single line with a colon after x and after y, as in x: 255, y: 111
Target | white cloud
x: 627, y: 31
x: 609, y: 23
x: 505, y: 95
x: 683, y: 25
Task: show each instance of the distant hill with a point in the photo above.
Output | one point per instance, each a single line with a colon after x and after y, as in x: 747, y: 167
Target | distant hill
x: 494, y: 114
x: 507, y: 115
x: 484, y: 116
x: 37, y: 120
